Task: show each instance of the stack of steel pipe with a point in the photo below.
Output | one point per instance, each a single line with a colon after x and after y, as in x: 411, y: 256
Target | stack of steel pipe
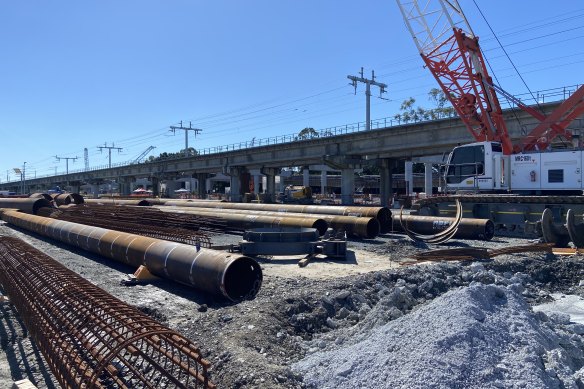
x: 91, y: 217
x: 382, y: 214
x: 68, y: 198
x: 476, y: 229
x: 115, y: 201
x: 45, y: 196
x: 148, y: 216
x: 364, y: 227
x: 89, y: 338
x: 27, y: 205
x: 235, y: 277
x: 242, y: 219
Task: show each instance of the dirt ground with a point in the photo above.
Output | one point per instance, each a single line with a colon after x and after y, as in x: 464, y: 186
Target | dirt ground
x: 252, y: 344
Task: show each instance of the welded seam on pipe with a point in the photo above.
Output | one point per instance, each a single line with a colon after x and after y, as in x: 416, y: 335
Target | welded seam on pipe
x: 145, y: 252
x: 126, y: 257
x: 112, y: 245
x: 193, y: 266
x: 166, y: 260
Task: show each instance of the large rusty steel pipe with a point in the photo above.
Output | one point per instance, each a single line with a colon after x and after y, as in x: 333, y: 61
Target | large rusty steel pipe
x: 382, y: 214
x: 68, y: 198
x: 478, y: 229
x: 363, y: 227
x: 45, y: 196
x: 28, y: 205
x: 112, y: 201
x: 249, y: 219
x: 233, y: 276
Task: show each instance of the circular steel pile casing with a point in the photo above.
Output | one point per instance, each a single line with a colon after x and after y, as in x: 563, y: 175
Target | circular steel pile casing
x: 27, y: 205
x: 233, y: 276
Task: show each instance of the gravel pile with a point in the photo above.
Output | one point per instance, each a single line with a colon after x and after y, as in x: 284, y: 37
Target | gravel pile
x: 491, y: 339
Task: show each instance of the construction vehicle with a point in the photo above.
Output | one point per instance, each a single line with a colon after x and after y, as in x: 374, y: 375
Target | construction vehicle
x: 522, y: 178
x: 295, y: 194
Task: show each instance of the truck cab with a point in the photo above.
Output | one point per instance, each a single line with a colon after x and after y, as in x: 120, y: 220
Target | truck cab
x: 479, y: 166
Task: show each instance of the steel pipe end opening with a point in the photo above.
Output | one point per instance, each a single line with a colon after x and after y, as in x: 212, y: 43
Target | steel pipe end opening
x: 242, y: 279
x: 321, y: 226
x: 489, y: 230
x: 77, y: 198
x: 40, y: 203
x: 373, y: 228
x: 384, y: 217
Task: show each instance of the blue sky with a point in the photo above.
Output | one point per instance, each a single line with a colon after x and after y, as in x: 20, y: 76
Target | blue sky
x: 79, y: 74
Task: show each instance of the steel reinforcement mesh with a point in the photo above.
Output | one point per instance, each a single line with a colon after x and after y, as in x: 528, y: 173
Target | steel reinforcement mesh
x: 89, y: 338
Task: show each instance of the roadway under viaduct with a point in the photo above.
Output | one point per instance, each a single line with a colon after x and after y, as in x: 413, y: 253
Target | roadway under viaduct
x: 384, y: 147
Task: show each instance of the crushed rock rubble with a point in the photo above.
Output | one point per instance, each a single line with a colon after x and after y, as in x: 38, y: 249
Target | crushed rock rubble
x: 491, y: 340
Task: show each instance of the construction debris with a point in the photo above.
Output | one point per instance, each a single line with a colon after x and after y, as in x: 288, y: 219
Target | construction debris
x: 439, y: 237
x: 476, y: 253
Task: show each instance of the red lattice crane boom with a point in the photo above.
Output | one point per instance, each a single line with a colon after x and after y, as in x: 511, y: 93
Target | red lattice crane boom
x: 452, y: 53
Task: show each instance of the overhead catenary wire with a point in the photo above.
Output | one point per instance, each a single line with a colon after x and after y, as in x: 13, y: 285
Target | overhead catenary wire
x: 507, y: 54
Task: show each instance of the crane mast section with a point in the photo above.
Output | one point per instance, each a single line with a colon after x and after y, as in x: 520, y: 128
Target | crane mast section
x: 456, y: 62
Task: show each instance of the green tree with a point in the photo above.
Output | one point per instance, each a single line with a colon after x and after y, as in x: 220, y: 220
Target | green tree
x: 410, y: 113
x: 307, y: 133
x: 191, y: 152
x: 442, y: 105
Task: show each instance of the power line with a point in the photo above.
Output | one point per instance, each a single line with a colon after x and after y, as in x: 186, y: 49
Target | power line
x: 109, y: 149
x: 368, y: 83
x: 66, y: 161
x: 186, y: 130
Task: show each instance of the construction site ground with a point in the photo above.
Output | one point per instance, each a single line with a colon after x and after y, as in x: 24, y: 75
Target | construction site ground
x: 368, y: 321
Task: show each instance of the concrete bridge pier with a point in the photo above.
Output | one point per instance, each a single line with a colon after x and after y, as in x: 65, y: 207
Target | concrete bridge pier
x: 270, y: 191
x: 256, y: 179
x: 75, y: 186
x: 155, y: 186
x: 386, y: 181
x: 323, y: 182
x: 306, y: 176
x: 125, y: 188
x: 256, y: 183
x: 94, y: 190
x: 428, y: 178
x: 237, y: 174
x: 347, y: 186
x: 126, y: 185
x: 202, y: 184
x: 409, y: 177
x: 171, y: 186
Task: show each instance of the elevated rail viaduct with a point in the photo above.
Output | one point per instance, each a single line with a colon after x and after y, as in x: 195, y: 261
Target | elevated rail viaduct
x: 345, y: 151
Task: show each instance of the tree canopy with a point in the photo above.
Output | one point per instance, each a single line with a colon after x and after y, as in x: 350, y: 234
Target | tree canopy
x: 307, y: 133
x: 411, y: 113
